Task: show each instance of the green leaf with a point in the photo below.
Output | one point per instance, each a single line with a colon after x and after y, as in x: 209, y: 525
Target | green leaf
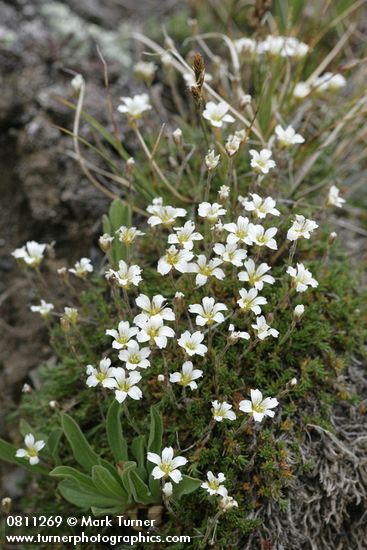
x: 7, y: 453
x: 115, y: 437
x: 118, y: 214
x: 107, y: 484
x: 123, y: 473
x: 72, y: 473
x: 154, y: 446
x: 138, y: 448
x: 82, y: 451
x: 139, y: 489
x: 87, y: 498
x: 186, y: 486
x: 53, y: 441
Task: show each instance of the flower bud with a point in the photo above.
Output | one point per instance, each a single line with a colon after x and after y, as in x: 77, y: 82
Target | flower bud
x: 298, y: 311
x: 245, y: 99
x: 130, y: 165
x: 105, y: 242
x: 167, y: 490
x: 160, y: 377
x: 177, y: 136
x: 212, y: 160
x: 293, y: 382
x: 332, y: 238
x: 53, y: 404
x: 6, y: 503
x: 77, y: 83
x: 26, y: 388
x: 223, y: 192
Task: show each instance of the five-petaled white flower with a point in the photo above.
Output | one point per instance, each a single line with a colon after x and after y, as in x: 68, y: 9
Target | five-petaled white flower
x: 258, y: 406
x: 175, y: 258
x: 135, y: 106
x: 239, y: 231
x: 165, y: 215
x: 82, y: 268
x: 103, y: 375
x: 222, y: 411
x: 301, y: 227
x: 209, y: 312
x: 127, y: 235
x: 217, y: 113
x: 191, y: 343
x: 250, y: 301
x: 206, y: 269
x: 263, y: 329
x: 302, y: 278
x: 256, y: 276
x: 185, y: 236
x: 156, y: 307
x: 31, y: 253
x: 262, y: 162
x: 333, y: 198
x: 214, y: 484
x: 32, y: 449
x: 167, y: 466
x: 212, y: 160
x: 263, y: 238
x: 44, y: 308
x: 260, y: 207
x: 288, y: 137
x: 230, y: 253
x: 226, y: 503
x: 154, y: 331
x: 235, y: 335
x: 211, y: 211
x: 134, y: 357
x: 126, y: 385
x: 122, y: 336
x: 187, y: 376
x: 125, y: 276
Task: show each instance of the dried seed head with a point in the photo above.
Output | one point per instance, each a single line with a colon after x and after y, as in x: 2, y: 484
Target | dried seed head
x: 199, y: 70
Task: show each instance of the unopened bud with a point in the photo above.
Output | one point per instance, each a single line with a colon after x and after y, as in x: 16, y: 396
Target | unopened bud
x: 53, y: 404
x: 166, y: 59
x: 167, y: 490
x: 298, y: 311
x: 245, y: 100
x: 77, y: 83
x: 130, y: 165
x: 6, y: 505
x: 160, y: 377
x: 105, y: 242
x: 332, y: 238
x: 293, y: 382
x: 26, y: 388
x: 177, y: 136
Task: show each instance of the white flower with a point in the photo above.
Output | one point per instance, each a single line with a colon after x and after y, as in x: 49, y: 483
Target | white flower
x: 262, y: 162
x: 302, y: 278
x: 82, y: 268
x: 154, y: 332
x: 105, y: 242
x: 258, y: 406
x: 145, y: 70
x: 187, y: 376
x: 32, y: 449
x: 288, y: 136
x: 230, y: 253
x: 127, y: 235
x: 245, y: 45
x: 126, y: 385
x: 236, y: 335
x: 232, y: 145
x: 126, y: 275
x: 134, y: 357
x: 211, y: 211
x: 165, y: 215
x: 329, y: 81
x: 206, y: 269
x: 191, y: 343
x: 333, y: 197
x: 226, y: 503
x: 185, y: 236
x: 179, y: 259
x: 122, y: 336
x: 167, y: 466
x: 263, y: 329
x: 102, y: 375
x: 71, y: 315
x: 153, y: 308
x: 256, y: 276
x: 209, y: 312
x: 263, y: 238
x: 216, y: 113
x: 135, y: 106
x: 223, y: 192
x: 212, y: 160
x: 214, y: 484
x: 260, y: 207
x: 31, y: 253
x: 284, y: 46
x: 43, y: 309
x: 250, y: 301
x: 222, y: 411
x: 301, y: 228
x: 298, y: 311
x: 301, y: 90
x: 77, y: 82
x: 239, y: 231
